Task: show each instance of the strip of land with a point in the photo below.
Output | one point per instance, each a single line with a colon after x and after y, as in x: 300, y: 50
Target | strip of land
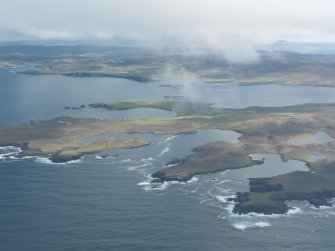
x: 142, y: 64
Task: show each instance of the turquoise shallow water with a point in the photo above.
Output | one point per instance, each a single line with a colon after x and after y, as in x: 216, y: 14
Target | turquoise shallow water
x: 109, y: 204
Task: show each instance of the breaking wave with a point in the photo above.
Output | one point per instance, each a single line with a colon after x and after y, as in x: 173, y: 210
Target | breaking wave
x: 132, y: 168
x: 45, y: 160
x: 244, y: 225
x: 164, y: 151
x: 149, y: 186
x: 9, y: 151
x: 168, y: 139
x: 126, y: 160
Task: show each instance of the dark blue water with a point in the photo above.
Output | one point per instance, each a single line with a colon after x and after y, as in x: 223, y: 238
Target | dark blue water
x: 109, y: 204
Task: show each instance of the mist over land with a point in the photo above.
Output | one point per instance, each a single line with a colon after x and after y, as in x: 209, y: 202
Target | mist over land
x: 231, y: 29
x: 135, y: 125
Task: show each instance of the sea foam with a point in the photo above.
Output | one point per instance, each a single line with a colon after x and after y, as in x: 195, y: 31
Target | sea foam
x: 165, y: 150
x: 247, y: 224
x: 132, y: 168
x: 8, y: 151
x: 167, y: 140
x: 125, y: 160
x: 45, y: 160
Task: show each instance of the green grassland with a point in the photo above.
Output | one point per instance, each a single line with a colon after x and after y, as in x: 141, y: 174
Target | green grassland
x: 181, y: 108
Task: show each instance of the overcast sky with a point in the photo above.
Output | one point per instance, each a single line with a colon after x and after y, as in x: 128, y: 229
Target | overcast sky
x: 218, y: 24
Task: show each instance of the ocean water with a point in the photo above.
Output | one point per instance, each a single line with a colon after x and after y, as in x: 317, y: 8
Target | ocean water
x: 109, y: 204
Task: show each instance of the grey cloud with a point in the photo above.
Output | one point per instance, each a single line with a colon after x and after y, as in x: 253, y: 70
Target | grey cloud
x: 229, y: 27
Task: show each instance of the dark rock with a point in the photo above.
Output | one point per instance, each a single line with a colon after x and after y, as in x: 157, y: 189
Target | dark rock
x: 74, y: 108
x: 176, y: 161
x: 160, y: 176
x: 243, y: 205
x: 64, y: 159
x: 275, y: 207
x: 98, y: 105
x: 318, y: 202
x: 108, y: 156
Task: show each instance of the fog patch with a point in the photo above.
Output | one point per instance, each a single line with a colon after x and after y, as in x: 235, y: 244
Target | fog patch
x: 177, y: 76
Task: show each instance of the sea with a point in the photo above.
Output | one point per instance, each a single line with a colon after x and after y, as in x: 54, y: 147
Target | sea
x: 98, y: 203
